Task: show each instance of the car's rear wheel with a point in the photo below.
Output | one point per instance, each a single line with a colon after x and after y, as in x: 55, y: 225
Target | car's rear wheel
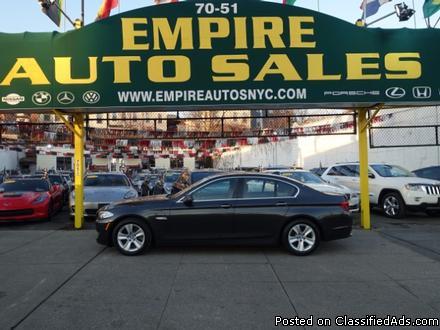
x: 393, y: 205
x: 132, y: 237
x: 301, y: 237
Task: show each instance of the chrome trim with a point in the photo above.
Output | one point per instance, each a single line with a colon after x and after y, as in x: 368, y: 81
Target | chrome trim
x: 241, y: 177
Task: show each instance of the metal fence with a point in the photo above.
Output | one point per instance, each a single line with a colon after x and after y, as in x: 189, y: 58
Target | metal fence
x: 134, y: 128
x: 406, y: 127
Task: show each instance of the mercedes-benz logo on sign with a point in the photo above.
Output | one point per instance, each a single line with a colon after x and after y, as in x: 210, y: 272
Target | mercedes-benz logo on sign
x: 65, y: 98
x: 395, y: 92
x: 91, y: 97
x: 41, y: 98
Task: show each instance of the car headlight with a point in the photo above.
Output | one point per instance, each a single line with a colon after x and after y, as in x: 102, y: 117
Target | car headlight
x: 40, y: 199
x: 130, y: 194
x: 104, y: 217
x: 414, y: 187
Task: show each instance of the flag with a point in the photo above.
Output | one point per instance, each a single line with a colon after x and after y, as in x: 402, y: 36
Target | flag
x: 371, y: 7
x: 106, y: 8
x: 288, y: 2
x: 52, y: 8
x: 430, y: 7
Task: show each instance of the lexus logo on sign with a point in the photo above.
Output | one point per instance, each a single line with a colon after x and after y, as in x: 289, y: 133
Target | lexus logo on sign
x: 422, y: 92
x: 395, y: 92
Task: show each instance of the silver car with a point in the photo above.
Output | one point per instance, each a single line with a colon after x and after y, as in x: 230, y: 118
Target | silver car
x: 101, y: 189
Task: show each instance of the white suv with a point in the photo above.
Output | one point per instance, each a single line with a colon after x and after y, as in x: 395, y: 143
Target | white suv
x: 392, y: 188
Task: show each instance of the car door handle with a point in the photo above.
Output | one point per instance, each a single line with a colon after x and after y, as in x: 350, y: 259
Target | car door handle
x: 161, y: 218
x: 281, y: 204
x: 226, y: 206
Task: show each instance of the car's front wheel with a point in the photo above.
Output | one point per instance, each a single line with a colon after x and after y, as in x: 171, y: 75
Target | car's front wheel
x: 393, y: 205
x: 301, y: 237
x: 132, y: 237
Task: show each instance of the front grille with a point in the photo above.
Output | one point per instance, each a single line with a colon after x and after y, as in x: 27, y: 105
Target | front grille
x: 16, y: 213
x: 432, y: 189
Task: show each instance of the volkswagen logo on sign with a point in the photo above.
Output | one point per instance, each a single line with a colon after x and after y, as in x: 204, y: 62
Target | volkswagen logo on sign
x: 91, y: 97
x: 395, y: 92
x: 65, y: 98
x: 41, y: 98
x: 422, y: 92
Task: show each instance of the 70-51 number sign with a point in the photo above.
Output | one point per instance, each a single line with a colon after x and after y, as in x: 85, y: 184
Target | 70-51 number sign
x: 210, y: 8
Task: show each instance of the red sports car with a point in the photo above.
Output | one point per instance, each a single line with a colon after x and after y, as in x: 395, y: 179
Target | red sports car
x: 28, y: 199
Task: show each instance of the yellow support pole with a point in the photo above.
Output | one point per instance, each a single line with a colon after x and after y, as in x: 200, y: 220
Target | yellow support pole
x: 363, y: 168
x: 78, y: 126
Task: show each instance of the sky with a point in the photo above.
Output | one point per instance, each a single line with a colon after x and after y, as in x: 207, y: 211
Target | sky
x: 26, y: 15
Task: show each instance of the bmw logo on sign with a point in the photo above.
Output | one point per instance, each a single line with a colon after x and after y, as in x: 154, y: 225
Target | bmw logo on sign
x: 91, y: 97
x: 41, y: 98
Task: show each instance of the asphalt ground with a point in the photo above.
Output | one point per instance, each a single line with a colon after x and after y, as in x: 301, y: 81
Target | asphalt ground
x: 53, y: 277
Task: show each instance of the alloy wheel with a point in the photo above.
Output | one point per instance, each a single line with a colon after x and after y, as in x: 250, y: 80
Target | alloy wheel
x: 131, y: 237
x: 391, y: 206
x: 302, y: 237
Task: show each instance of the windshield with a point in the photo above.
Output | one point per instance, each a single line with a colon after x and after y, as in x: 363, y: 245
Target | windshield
x: 139, y: 178
x: 38, y: 185
x: 171, y: 176
x: 304, y: 177
x: 107, y: 180
x: 66, y: 177
x: 55, y: 179
x: 391, y: 171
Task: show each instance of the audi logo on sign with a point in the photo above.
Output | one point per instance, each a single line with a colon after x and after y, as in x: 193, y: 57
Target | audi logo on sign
x: 395, y: 92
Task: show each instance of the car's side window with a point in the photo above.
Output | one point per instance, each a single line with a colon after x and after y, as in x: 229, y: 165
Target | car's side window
x: 222, y: 189
x: 286, y: 190
x: 261, y: 188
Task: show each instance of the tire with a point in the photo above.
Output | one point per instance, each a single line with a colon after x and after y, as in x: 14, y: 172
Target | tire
x: 393, y: 205
x: 301, y: 237
x: 127, y: 237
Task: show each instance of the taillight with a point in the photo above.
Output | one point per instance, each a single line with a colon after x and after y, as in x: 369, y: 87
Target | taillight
x: 345, y: 205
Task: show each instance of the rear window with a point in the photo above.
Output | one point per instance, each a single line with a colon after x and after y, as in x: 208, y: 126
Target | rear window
x: 37, y: 185
x: 106, y: 181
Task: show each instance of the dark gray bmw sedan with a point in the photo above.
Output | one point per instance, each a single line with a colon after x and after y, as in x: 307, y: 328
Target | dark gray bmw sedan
x: 232, y: 208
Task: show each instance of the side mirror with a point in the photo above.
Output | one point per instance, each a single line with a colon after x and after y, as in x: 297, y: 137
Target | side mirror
x: 188, y: 200
x: 371, y: 176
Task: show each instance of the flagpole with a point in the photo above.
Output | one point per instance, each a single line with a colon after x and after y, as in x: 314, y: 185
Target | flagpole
x: 82, y: 13
x: 364, y: 4
x: 62, y: 12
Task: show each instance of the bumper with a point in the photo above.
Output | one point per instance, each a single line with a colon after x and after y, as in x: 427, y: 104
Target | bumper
x: 41, y: 212
x: 417, y: 201
x: 337, y: 227
x: 104, y: 233
x: 90, y: 209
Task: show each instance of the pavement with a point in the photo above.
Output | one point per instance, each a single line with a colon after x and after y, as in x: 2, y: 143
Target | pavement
x: 53, y: 277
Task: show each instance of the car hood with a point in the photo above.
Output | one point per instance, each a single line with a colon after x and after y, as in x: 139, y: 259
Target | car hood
x: 13, y: 200
x: 329, y: 188
x: 105, y: 194
x: 155, y: 199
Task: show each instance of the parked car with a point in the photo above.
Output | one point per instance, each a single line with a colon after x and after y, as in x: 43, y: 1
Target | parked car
x: 169, y: 179
x: 432, y: 172
x: 152, y: 185
x: 315, y: 182
x: 230, y: 208
x: 59, y: 183
x: 138, y: 180
x: 393, y: 188
x: 101, y: 189
x: 188, y: 178
x: 28, y: 199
